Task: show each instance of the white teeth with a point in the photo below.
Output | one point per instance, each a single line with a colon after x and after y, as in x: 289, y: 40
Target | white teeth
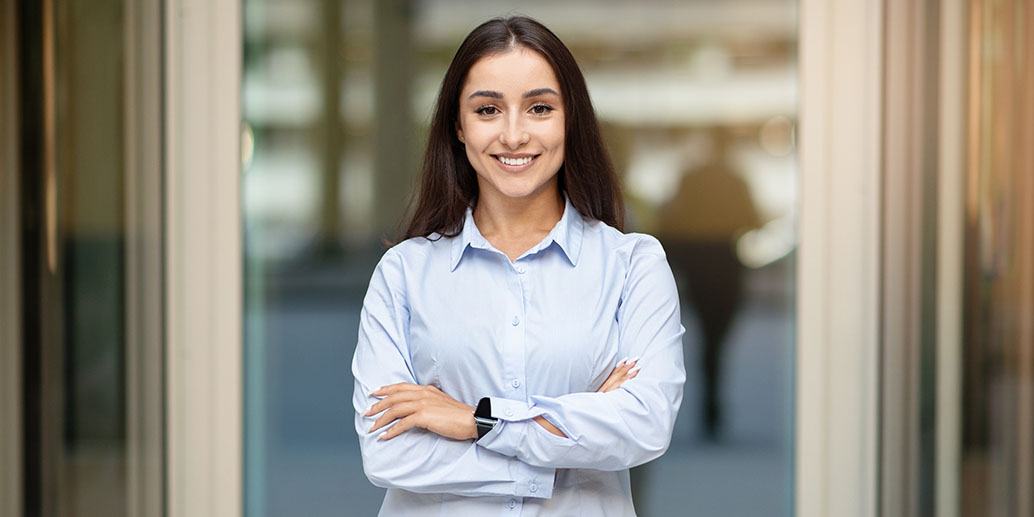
x: 515, y: 161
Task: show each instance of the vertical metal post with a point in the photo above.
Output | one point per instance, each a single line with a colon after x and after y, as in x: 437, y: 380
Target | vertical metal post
x: 10, y: 279
x: 950, y: 252
x: 144, y: 259
x: 47, y: 283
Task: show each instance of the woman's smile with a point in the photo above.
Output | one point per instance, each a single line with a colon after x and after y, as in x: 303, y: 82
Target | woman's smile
x: 515, y: 162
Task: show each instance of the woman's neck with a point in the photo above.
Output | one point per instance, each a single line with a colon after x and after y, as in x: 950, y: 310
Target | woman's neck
x: 499, y: 218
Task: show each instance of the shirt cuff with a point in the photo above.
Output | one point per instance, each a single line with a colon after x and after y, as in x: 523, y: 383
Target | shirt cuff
x: 513, y: 418
x: 533, y: 481
x: 503, y: 438
x: 513, y: 410
x: 529, y: 480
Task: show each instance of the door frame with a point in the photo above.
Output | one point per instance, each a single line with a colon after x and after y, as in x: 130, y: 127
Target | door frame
x: 869, y: 331
x: 143, y: 258
x: 838, y: 275
x: 203, y: 258
x: 838, y: 373
x: 838, y: 279
x: 10, y: 268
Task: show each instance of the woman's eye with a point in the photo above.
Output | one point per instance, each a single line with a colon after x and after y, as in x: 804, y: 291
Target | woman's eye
x: 541, y: 109
x: 486, y: 110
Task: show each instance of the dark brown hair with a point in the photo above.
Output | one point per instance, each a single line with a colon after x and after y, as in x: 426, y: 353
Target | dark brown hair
x: 448, y: 183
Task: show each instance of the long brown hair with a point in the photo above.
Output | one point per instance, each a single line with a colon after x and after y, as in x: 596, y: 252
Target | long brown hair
x: 448, y: 183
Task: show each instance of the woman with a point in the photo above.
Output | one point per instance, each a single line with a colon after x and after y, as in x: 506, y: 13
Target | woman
x: 492, y: 371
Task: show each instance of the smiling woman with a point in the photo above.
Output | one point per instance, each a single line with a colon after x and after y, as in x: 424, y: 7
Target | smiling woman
x: 515, y: 137
x: 517, y: 224
x: 488, y: 90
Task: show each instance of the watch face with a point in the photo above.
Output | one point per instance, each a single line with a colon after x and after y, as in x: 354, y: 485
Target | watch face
x: 484, y: 409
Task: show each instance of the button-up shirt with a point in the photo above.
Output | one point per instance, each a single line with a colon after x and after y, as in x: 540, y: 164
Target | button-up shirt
x: 539, y: 335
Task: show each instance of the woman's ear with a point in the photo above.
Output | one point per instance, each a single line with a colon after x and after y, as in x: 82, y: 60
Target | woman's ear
x: 459, y: 133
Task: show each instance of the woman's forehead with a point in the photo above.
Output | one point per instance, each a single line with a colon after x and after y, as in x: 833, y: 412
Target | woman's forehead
x: 514, y: 72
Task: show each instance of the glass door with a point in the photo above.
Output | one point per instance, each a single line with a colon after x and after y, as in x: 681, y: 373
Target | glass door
x: 90, y: 257
x: 997, y: 400
x: 698, y: 102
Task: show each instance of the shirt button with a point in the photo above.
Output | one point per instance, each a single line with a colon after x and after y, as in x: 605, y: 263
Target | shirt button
x: 521, y: 270
x: 533, y: 487
x: 509, y: 412
x: 516, y: 383
x: 516, y: 320
x: 512, y: 503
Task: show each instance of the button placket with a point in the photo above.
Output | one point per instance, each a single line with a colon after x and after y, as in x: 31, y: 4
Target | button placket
x: 521, y: 323
x: 514, y: 350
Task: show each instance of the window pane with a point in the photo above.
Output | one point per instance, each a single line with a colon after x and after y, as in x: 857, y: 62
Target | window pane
x: 91, y: 257
x: 998, y: 354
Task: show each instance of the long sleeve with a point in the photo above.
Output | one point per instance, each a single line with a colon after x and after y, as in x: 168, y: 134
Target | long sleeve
x: 418, y: 460
x: 625, y: 427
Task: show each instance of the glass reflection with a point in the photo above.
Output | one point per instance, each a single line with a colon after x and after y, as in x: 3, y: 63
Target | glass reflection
x: 998, y: 349
x: 336, y: 101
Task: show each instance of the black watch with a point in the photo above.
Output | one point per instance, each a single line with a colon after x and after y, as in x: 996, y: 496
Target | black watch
x: 483, y: 417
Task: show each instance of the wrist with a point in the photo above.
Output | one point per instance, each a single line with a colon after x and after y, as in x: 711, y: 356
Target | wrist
x: 472, y: 428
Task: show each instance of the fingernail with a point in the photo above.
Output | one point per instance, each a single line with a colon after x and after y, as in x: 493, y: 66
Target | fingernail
x: 623, y: 361
x: 634, y: 370
x: 381, y: 437
x: 636, y: 360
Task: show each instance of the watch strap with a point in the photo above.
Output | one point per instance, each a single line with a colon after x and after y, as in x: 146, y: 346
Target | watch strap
x: 483, y: 420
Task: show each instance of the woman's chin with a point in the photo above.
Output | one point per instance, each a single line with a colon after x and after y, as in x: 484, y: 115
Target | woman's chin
x: 521, y: 191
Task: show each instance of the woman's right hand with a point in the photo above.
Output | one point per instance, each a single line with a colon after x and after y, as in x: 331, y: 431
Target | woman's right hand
x: 624, y: 371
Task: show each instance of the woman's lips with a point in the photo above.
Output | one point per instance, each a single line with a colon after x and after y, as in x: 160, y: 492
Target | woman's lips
x: 515, y: 163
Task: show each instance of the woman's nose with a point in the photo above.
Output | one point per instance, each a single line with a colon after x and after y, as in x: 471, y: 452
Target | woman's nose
x: 514, y: 134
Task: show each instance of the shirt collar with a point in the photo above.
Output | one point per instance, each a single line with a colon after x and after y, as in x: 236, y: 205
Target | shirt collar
x: 567, y: 234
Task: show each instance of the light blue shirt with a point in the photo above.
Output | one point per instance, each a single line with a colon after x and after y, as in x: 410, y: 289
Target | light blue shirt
x: 538, y: 335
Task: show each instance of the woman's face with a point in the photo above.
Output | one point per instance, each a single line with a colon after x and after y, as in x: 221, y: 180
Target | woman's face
x: 512, y: 123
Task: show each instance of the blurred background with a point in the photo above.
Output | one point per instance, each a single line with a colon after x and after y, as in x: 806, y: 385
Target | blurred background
x: 698, y: 104
x: 118, y: 397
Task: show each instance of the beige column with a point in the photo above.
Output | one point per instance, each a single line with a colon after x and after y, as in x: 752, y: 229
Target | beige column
x: 838, y: 266
x: 203, y: 258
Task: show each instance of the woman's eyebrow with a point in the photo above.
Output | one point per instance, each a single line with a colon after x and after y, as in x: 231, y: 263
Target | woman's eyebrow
x: 530, y: 93
x: 540, y: 91
x: 486, y: 93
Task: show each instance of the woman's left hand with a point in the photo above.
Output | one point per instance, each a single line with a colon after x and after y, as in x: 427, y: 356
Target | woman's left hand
x: 427, y: 407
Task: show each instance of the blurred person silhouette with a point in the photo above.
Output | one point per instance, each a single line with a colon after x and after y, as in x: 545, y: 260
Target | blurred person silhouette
x: 699, y: 227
